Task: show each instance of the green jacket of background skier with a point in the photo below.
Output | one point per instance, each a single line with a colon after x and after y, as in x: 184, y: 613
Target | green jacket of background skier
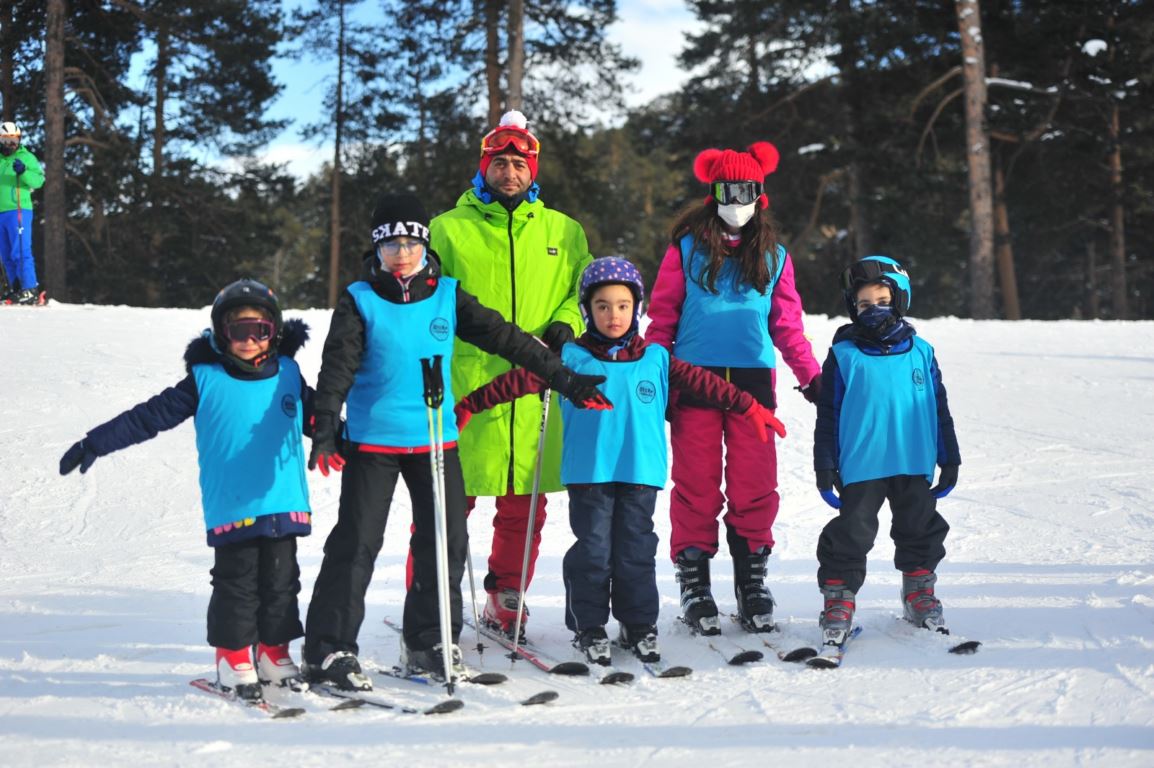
x: 32, y: 178
x: 526, y: 265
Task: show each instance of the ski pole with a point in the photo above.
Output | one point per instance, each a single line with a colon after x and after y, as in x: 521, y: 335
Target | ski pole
x: 532, y: 521
x: 434, y: 398
x: 473, y: 595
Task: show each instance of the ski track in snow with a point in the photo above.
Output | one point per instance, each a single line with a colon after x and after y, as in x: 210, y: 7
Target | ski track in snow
x: 105, y: 583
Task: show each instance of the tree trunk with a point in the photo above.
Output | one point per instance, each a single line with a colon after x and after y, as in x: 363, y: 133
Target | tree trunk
x: 1119, y: 294
x: 335, y: 212
x: 493, y: 58
x: 160, y: 75
x: 1005, y: 250
x: 859, y: 224
x: 978, y: 156
x: 7, y: 57
x: 55, y: 205
x: 1093, y: 305
x: 516, y: 72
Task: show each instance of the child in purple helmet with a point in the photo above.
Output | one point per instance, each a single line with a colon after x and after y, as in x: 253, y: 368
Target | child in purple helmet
x: 614, y: 461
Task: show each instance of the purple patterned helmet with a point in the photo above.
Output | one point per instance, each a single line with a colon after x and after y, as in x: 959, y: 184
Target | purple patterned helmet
x: 610, y: 270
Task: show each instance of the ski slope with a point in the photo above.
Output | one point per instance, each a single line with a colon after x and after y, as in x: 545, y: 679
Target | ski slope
x: 104, y: 585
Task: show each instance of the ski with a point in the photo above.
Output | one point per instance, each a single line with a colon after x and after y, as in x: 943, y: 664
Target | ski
x: 734, y: 654
x: 964, y: 648
x: 260, y: 705
x: 831, y: 655
x: 484, y: 678
x: 792, y: 655
x: 532, y: 654
x: 357, y: 699
x: 663, y: 669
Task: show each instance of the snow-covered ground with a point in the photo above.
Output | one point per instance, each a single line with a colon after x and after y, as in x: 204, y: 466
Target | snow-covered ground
x: 104, y: 585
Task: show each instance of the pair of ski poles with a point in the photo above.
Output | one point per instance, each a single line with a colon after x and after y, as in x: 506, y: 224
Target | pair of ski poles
x: 434, y: 395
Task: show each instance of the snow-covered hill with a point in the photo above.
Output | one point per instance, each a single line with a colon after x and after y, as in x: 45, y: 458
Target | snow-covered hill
x: 104, y: 585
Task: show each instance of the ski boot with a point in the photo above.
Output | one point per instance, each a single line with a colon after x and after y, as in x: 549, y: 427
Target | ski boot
x: 274, y: 666
x: 500, y: 613
x: 698, y: 608
x: 754, y: 600
x: 594, y: 643
x: 922, y: 608
x: 234, y: 672
x: 836, y: 619
x: 641, y: 640
x: 27, y: 297
x: 431, y: 661
x: 341, y: 670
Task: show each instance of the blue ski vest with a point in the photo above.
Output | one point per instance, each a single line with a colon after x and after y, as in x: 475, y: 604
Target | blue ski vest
x: 386, y: 404
x: 888, y: 423
x: 248, y: 441
x: 730, y: 328
x: 626, y: 444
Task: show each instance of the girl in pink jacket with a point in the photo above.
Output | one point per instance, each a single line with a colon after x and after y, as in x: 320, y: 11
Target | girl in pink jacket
x: 723, y: 300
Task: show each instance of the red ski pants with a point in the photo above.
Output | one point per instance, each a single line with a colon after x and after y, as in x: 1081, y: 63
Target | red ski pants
x: 709, y: 445
x: 509, y: 526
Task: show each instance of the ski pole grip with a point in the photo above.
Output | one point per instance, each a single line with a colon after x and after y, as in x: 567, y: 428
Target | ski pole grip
x: 431, y: 374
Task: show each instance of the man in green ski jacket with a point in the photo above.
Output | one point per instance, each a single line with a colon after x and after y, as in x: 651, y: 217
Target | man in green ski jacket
x: 20, y: 173
x: 525, y: 261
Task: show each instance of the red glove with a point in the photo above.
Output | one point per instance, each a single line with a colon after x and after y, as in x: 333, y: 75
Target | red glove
x: 761, y: 417
x: 462, y: 415
x: 327, y: 461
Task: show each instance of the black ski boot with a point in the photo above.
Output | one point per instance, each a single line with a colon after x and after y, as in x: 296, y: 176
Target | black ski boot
x: 431, y: 661
x: 698, y: 608
x: 754, y: 600
x: 641, y: 640
x: 340, y: 670
x: 594, y: 643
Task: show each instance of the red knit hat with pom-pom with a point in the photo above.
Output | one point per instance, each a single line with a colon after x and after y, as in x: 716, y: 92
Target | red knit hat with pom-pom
x: 730, y: 165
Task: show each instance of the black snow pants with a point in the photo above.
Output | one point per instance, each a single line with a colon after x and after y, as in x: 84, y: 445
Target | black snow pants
x: 918, y: 531
x: 368, y: 481
x: 255, y: 584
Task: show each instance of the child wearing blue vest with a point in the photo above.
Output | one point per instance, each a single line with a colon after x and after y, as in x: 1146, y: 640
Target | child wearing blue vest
x: 614, y: 461
x: 250, y: 405
x: 404, y: 310
x: 883, y: 423
x: 725, y: 300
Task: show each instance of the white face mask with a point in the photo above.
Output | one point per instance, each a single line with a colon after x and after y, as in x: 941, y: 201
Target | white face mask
x: 736, y: 215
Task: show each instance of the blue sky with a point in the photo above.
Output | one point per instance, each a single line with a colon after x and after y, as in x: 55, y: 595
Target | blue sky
x: 650, y: 30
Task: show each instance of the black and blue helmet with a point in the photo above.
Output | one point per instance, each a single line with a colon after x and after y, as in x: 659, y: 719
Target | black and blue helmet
x: 876, y: 269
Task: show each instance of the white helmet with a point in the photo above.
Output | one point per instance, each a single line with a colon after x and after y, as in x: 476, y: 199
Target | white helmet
x: 9, y: 133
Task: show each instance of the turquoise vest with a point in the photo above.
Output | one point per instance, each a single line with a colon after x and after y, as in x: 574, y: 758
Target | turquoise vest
x: 730, y: 328
x: 626, y: 444
x: 248, y: 441
x: 889, y: 415
x: 386, y: 404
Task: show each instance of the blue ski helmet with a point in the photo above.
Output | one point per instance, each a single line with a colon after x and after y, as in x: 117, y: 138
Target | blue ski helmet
x: 245, y: 293
x: 876, y: 269
x: 610, y: 270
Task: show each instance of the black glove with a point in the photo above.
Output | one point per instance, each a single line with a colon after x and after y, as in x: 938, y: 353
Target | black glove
x: 325, y: 453
x: 947, y: 479
x: 557, y: 335
x: 827, y: 481
x: 580, y: 389
x: 812, y: 390
x: 79, y: 455
x: 18, y: 168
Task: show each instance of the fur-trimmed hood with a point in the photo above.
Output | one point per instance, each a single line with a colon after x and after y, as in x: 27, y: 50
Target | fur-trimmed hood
x: 203, y: 349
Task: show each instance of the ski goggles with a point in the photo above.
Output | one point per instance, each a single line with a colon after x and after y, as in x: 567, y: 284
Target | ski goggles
x: 867, y: 271
x: 737, y: 192
x: 243, y: 330
x: 499, y: 140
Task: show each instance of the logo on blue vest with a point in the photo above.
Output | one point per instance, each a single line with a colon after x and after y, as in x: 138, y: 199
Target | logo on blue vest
x: 288, y: 404
x: 919, y: 380
x: 646, y: 391
x: 439, y: 328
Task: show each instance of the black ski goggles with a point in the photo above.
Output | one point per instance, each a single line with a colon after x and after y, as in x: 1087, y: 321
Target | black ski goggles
x: 867, y: 271
x: 737, y: 192
x: 243, y: 330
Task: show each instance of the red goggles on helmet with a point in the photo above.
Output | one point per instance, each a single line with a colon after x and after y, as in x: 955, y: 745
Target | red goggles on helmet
x: 501, y: 139
x: 243, y: 330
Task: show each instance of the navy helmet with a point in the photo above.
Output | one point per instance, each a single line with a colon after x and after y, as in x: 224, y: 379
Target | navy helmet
x: 610, y: 270
x: 876, y: 269
x: 245, y: 292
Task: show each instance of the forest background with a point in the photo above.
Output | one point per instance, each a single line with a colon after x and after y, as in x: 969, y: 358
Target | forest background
x: 1004, y: 153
